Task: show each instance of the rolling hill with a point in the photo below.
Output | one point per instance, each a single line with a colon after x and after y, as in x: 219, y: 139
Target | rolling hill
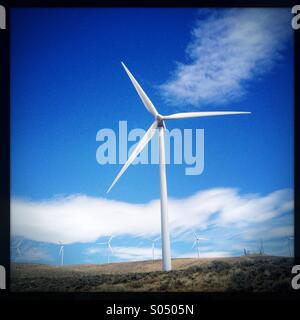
x: 248, y: 273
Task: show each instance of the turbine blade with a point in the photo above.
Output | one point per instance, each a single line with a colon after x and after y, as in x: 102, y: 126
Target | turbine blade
x: 194, y: 244
x: 146, y: 138
x: 146, y: 101
x: 20, y: 242
x: 184, y: 115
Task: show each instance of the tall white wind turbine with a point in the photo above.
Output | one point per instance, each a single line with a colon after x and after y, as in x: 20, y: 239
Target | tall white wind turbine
x: 160, y: 125
x: 61, y: 252
x: 198, y: 238
x: 109, y: 249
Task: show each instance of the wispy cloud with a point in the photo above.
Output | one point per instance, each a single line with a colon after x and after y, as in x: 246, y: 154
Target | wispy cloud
x: 228, y: 48
x: 81, y: 218
x: 131, y: 253
x: 145, y: 253
x: 136, y: 253
x: 94, y: 250
x: 33, y: 254
x: 273, y: 232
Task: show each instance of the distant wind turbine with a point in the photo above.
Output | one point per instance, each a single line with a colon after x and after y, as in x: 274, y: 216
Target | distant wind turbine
x: 18, y: 246
x: 198, y: 238
x: 109, y: 249
x: 160, y: 125
x: 61, y: 252
x: 153, y: 246
x: 261, y: 247
x: 289, y: 240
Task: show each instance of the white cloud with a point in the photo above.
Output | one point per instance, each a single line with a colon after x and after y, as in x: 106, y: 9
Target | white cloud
x: 127, y: 253
x: 145, y: 253
x: 136, y: 253
x: 81, y: 218
x: 33, y: 254
x: 227, y: 49
x: 273, y: 233
x: 94, y: 250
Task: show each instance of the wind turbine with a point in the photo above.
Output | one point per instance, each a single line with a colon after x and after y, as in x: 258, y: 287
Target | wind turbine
x: 109, y: 247
x: 61, y: 252
x: 17, y: 247
x: 153, y: 246
x: 197, y: 242
x: 160, y: 125
x: 261, y: 247
x: 289, y: 239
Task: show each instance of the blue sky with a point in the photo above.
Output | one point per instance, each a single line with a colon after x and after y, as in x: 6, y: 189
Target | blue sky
x: 67, y: 83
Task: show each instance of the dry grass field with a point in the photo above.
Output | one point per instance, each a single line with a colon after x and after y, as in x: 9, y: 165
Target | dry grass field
x: 251, y: 273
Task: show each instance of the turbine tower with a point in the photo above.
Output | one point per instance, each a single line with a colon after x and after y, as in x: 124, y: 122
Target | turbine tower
x: 61, y: 252
x: 109, y: 249
x: 153, y: 246
x: 160, y: 125
x: 198, y: 238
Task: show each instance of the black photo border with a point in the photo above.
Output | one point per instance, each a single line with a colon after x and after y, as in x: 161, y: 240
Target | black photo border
x: 118, y: 297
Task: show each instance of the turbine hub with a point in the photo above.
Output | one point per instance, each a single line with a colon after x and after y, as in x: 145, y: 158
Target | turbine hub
x: 159, y: 118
